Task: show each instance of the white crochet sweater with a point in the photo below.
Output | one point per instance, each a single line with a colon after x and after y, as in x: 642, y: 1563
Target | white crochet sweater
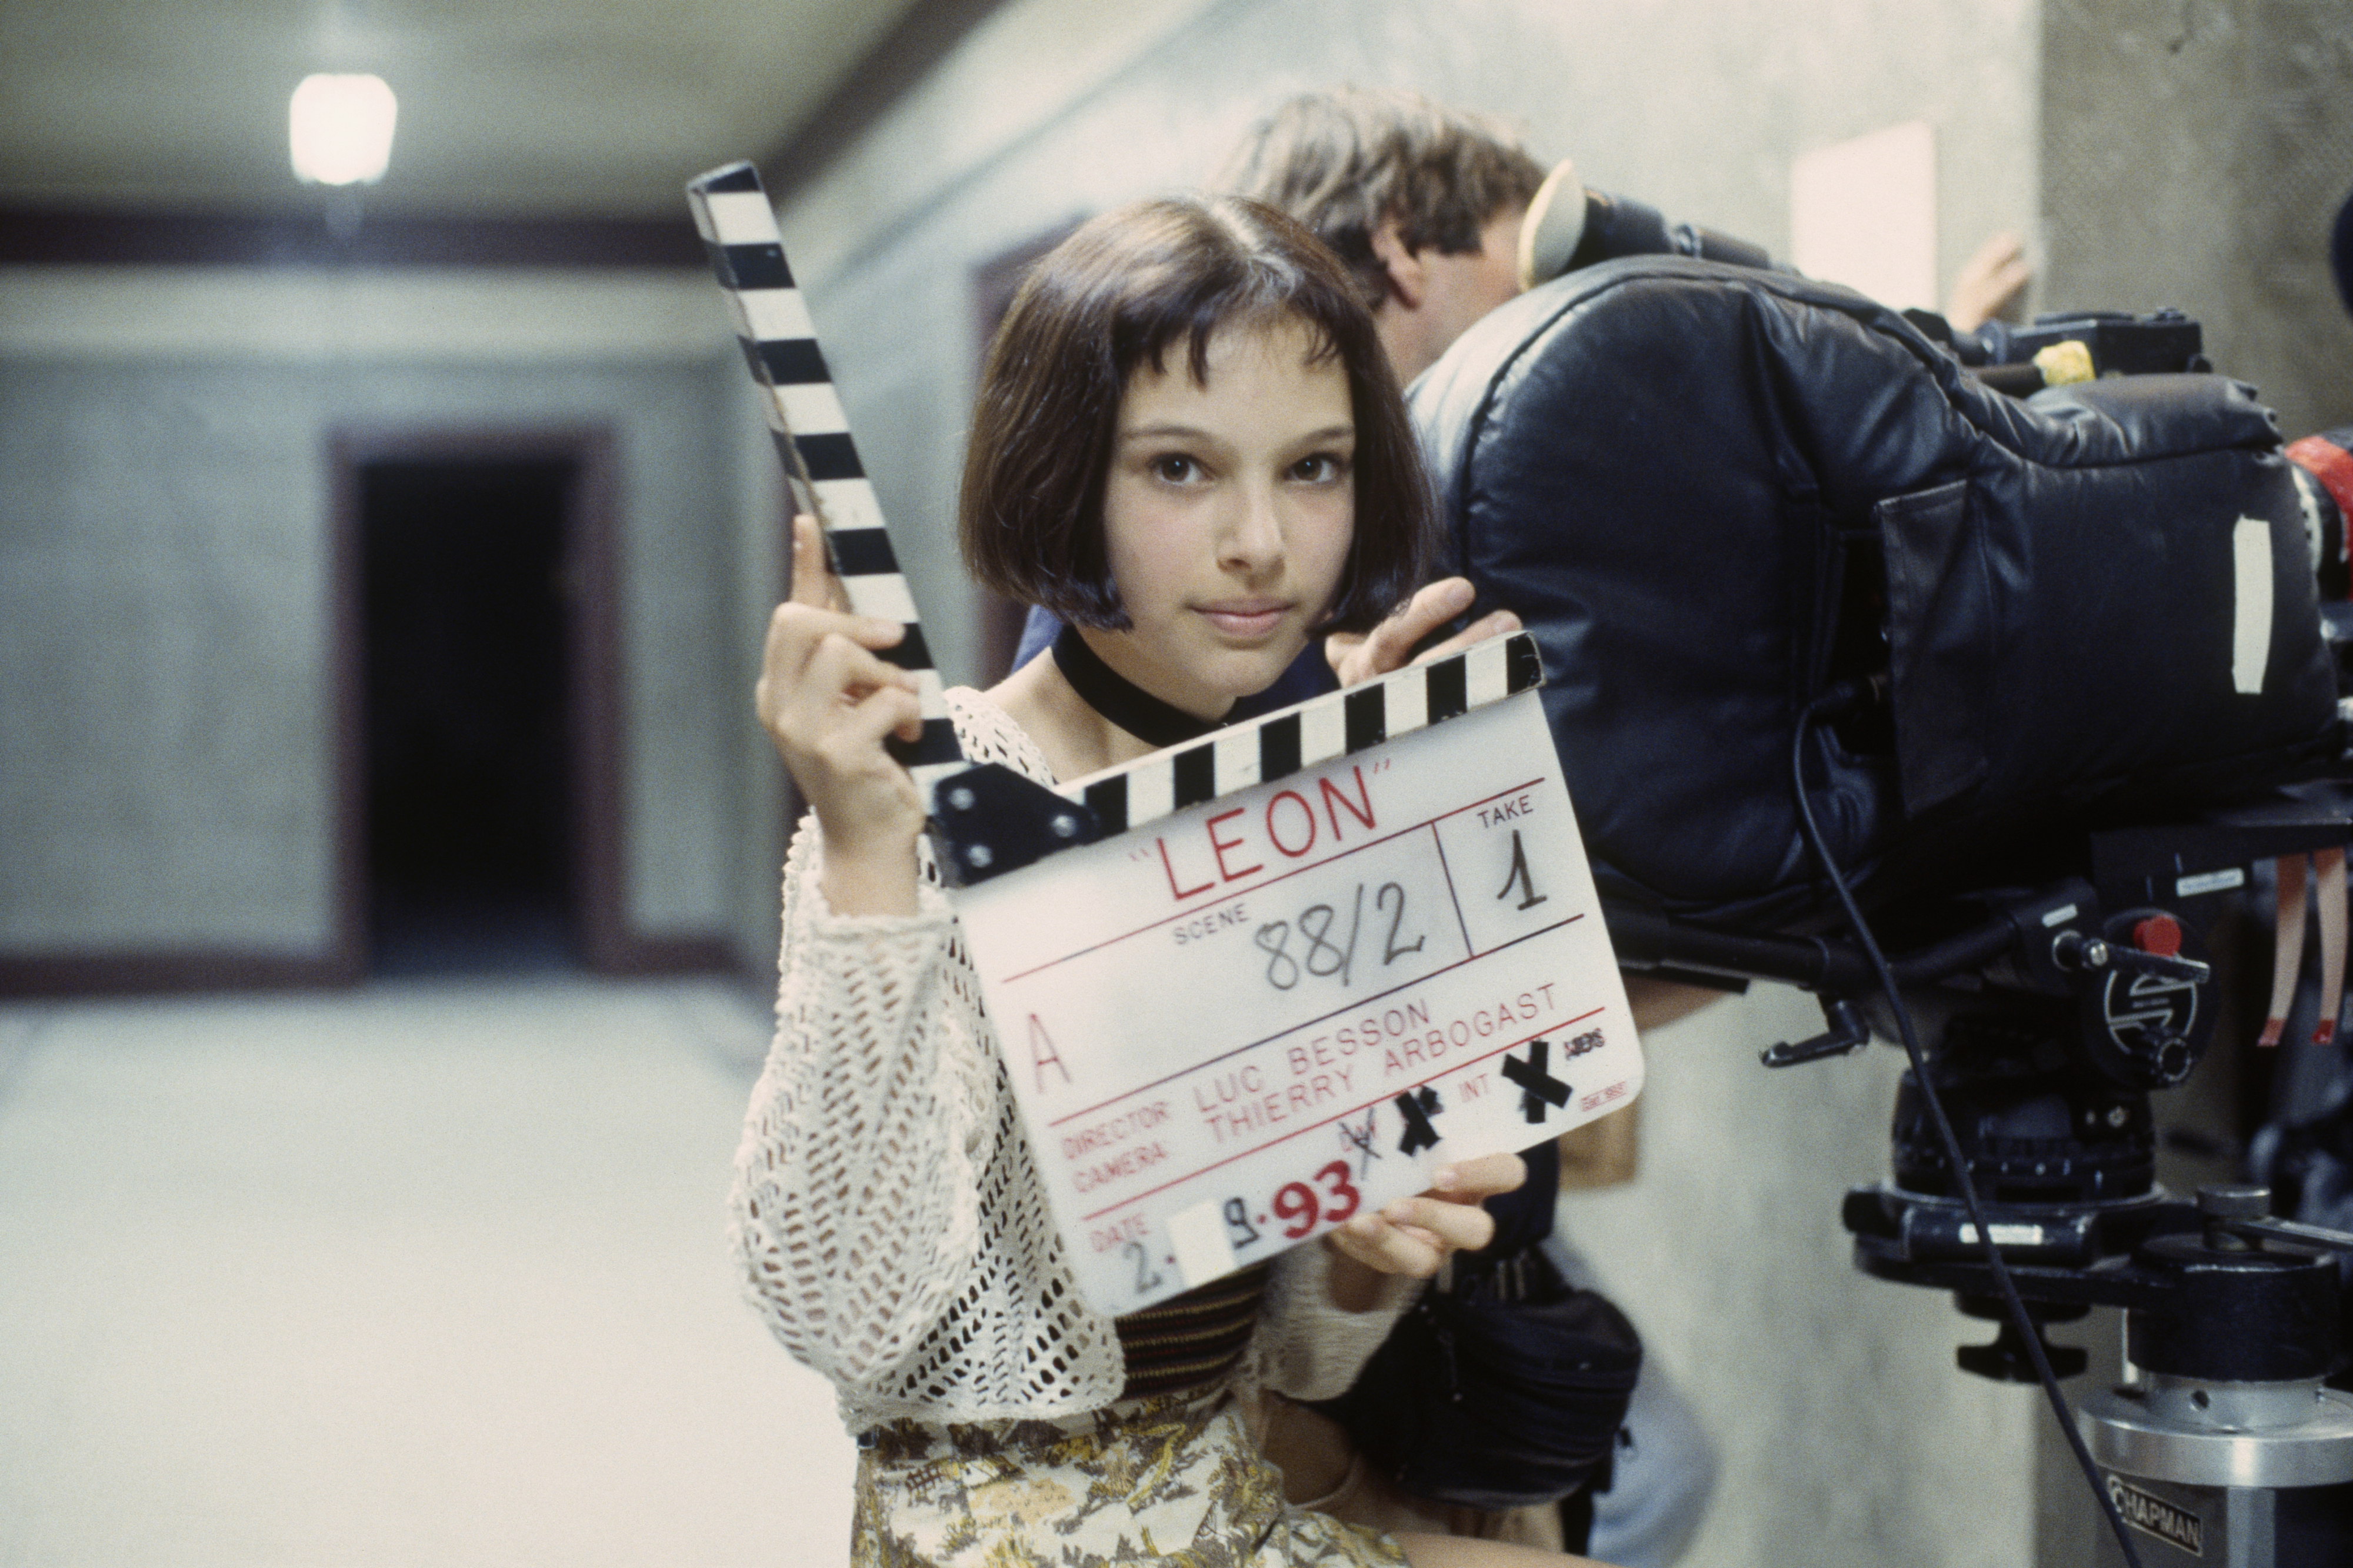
x: 886, y: 1208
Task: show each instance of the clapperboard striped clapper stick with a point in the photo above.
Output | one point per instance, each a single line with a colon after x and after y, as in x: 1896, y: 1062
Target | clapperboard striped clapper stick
x: 772, y: 323
x: 995, y: 820
x: 1246, y: 986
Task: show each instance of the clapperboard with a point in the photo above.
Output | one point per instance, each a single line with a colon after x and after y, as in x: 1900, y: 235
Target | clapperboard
x: 1252, y: 985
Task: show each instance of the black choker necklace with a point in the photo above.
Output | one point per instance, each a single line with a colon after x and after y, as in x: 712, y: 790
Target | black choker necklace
x: 1120, y: 699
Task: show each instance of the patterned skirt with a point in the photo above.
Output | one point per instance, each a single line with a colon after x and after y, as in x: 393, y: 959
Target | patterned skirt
x: 1170, y: 1478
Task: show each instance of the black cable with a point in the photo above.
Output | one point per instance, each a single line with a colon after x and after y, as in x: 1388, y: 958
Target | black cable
x: 2016, y: 1307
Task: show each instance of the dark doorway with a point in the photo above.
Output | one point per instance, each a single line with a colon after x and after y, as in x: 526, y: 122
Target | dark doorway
x: 467, y: 691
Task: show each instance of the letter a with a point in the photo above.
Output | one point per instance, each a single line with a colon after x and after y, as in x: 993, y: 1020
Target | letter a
x: 1042, y: 1052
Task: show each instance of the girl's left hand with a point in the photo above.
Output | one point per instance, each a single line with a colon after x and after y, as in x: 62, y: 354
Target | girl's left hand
x: 1415, y: 1236
x: 1359, y: 657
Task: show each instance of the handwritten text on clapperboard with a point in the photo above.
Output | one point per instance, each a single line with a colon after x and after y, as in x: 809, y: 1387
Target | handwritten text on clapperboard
x: 1234, y: 1027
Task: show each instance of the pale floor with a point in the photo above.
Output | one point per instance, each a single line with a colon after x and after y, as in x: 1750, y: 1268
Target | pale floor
x: 429, y: 1274
x: 433, y: 1275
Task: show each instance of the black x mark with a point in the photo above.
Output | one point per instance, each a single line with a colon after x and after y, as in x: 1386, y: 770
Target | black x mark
x: 1540, y: 1086
x: 1418, y: 1105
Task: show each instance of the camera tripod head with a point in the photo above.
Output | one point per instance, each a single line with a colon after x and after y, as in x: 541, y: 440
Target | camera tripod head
x: 2049, y: 1013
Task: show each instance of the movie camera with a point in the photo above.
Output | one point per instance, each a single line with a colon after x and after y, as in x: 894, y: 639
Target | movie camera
x: 2020, y: 681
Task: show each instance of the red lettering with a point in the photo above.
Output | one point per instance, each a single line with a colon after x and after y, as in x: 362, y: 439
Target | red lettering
x: 1220, y: 846
x: 1305, y: 810
x: 1043, y: 1051
x: 1332, y: 796
x: 1182, y: 893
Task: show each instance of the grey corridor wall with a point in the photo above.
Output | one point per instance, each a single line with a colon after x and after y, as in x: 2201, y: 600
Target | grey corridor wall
x: 166, y: 779
x: 2195, y: 154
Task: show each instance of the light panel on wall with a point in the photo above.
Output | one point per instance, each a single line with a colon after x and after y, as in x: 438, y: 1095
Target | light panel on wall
x: 1864, y: 212
x: 339, y: 128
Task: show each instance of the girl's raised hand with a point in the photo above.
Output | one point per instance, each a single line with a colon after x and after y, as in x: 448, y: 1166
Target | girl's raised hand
x: 829, y: 703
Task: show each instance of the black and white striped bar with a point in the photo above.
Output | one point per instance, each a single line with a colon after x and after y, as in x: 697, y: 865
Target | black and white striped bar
x: 1309, y: 734
x: 992, y: 821
x: 804, y: 414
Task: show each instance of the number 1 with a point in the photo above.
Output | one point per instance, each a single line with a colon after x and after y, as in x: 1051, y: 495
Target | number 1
x: 1529, y: 897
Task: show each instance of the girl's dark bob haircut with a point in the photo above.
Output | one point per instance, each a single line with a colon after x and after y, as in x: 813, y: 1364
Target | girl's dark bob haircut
x: 1122, y: 292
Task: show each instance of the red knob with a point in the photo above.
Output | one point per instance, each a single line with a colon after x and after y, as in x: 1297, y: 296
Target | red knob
x: 2160, y: 934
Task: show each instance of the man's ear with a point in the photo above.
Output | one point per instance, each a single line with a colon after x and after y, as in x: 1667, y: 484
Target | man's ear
x: 1408, y: 279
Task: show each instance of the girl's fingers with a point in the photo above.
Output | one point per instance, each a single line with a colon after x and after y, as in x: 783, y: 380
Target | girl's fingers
x: 810, y: 583
x: 838, y: 674
x: 1415, y: 1236
x: 814, y: 582
x: 1389, y: 646
x: 1437, y: 603
x: 796, y: 632
x: 842, y: 659
x: 816, y: 617
x: 1375, y: 1243
x: 1492, y: 625
x: 817, y: 697
x: 830, y: 732
x: 881, y: 711
x: 1464, y: 1226
x: 1473, y: 1181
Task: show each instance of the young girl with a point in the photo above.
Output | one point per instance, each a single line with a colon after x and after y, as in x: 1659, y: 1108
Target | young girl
x: 1188, y: 446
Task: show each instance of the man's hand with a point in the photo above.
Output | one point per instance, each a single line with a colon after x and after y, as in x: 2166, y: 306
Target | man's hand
x: 1357, y: 657
x: 1989, y: 282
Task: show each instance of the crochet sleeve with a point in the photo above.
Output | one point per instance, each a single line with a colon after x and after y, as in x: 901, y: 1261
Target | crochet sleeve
x: 855, y: 1200
x: 1309, y: 1346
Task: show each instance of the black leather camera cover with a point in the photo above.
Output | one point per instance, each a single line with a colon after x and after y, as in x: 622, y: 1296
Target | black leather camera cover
x: 1714, y: 493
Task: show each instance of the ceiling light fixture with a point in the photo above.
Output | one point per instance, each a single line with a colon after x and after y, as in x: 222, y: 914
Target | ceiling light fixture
x: 340, y: 128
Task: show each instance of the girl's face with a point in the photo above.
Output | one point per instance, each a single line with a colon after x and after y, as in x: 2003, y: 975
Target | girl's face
x: 1228, y: 513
